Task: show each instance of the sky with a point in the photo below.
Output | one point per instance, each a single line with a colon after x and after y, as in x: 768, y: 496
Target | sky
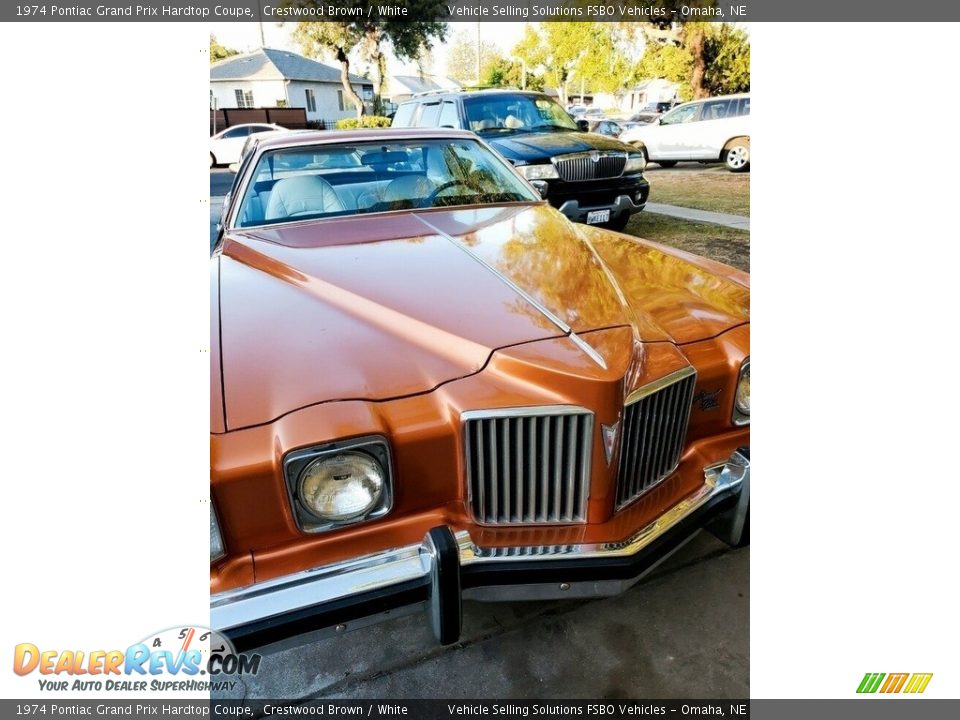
x: 245, y: 36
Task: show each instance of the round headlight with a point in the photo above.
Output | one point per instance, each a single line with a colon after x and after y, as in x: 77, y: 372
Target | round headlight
x: 341, y: 487
x: 743, y: 391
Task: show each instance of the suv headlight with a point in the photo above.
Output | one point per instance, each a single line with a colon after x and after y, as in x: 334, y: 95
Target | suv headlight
x: 635, y: 163
x: 216, y: 539
x: 339, y: 483
x: 741, y: 401
x: 538, y: 172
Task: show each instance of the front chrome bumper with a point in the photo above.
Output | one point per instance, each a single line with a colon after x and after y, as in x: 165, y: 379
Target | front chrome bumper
x: 447, y: 566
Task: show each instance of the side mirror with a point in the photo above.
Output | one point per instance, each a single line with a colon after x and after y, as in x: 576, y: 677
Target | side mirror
x: 541, y: 187
x: 583, y: 125
x: 234, y: 167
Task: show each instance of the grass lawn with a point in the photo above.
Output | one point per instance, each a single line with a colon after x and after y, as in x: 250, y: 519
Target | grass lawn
x: 713, y: 241
x: 705, y: 187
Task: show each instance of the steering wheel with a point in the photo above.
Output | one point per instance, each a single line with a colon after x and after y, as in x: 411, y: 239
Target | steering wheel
x: 428, y: 201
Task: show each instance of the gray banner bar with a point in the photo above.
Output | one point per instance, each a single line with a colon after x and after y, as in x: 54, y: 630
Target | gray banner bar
x: 480, y: 11
x: 872, y: 708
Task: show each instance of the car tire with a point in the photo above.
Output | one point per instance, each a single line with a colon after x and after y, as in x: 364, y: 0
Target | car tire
x: 618, y: 223
x: 666, y: 163
x: 213, y: 160
x: 736, y: 155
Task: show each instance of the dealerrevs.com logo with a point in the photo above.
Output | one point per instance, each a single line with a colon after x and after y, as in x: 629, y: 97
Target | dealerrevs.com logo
x: 910, y: 683
x: 182, y: 659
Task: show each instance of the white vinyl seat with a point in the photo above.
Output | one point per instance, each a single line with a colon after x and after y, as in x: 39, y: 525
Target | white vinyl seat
x: 302, y: 195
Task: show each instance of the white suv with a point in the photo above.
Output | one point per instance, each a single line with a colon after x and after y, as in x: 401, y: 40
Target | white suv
x: 711, y: 129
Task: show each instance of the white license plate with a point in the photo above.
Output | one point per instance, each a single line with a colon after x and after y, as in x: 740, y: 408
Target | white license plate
x: 598, y: 216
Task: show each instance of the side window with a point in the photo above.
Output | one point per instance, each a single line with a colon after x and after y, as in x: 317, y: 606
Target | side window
x: 718, y: 109
x: 236, y: 132
x: 744, y: 108
x: 449, y: 116
x: 311, y: 100
x: 429, y: 114
x: 404, y: 115
x: 682, y: 114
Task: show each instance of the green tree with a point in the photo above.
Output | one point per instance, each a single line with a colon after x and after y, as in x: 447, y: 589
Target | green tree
x: 218, y: 51
x: 727, y: 55
x: 571, y: 56
x: 369, y: 36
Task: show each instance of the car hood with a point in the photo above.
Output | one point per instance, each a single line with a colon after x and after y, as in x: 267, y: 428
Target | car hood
x: 539, y: 146
x: 396, y: 304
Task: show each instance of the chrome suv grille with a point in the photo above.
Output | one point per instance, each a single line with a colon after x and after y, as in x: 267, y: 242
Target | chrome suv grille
x: 528, y: 465
x: 590, y: 166
x: 654, y: 427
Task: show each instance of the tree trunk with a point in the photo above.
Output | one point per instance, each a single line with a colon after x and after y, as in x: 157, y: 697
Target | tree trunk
x: 696, y: 44
x: 345, y: 81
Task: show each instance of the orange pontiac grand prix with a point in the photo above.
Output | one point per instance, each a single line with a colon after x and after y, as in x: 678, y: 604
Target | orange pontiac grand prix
x: 429, y: 385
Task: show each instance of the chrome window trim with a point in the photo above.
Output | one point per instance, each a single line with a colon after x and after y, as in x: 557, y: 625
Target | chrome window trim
x: 295, y: 461
x: 259, y: 152
x: 740, y: 419
x: 516, y: 412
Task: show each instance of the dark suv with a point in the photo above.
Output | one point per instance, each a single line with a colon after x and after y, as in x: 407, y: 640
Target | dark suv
x: 588, y: 177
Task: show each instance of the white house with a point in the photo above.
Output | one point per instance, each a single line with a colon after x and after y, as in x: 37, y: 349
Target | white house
x: 651, y: 91
x: 637, y: 97
x: 403, y: 87
x: 270, y: 78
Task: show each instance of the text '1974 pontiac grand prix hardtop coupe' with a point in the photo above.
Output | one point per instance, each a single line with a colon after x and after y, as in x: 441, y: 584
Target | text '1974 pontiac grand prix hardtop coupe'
x: 429, y: 385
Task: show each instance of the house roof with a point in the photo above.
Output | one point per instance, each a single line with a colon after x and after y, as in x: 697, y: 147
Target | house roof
x: 273, y: 64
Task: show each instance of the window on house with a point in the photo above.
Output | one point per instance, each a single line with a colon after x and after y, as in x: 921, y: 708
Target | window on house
x: 340, y: 100
x: 311, y: 101
x: 244, y: 98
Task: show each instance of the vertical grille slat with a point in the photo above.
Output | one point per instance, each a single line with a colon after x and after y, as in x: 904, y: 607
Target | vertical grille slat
x: 530, y: 465
x: 654, y: 429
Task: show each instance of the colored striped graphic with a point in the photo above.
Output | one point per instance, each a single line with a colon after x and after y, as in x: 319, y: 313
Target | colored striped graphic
x: 894, y: 682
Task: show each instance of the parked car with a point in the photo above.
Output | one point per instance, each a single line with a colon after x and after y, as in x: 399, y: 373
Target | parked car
x: 589, y: 178
x: 706, y: 130
x: 610, y: 128
x: 226, y: 145
x: 427, y: 384
x: 659, y: 107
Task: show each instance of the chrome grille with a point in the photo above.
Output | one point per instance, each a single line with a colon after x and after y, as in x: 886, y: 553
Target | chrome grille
x: 528, y: 465
x: 654, y: 427
x: 590, y: 166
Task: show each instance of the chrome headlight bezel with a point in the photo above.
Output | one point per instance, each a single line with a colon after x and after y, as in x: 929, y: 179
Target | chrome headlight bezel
x: 741, y: 417
x: 297, y: 461
x: 540, y: 171
x: 218, y: 550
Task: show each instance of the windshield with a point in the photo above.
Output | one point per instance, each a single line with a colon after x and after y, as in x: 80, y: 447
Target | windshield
x: 359, y: 178
x: 515, y: 112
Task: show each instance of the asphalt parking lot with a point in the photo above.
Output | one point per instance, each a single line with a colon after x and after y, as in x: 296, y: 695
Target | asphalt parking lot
x: 683, y: 631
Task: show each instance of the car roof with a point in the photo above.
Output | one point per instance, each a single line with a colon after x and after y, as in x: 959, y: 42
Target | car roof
x: 325, y: 137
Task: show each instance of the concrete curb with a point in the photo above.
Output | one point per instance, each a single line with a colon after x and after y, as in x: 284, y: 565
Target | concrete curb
x: 737, y: 222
